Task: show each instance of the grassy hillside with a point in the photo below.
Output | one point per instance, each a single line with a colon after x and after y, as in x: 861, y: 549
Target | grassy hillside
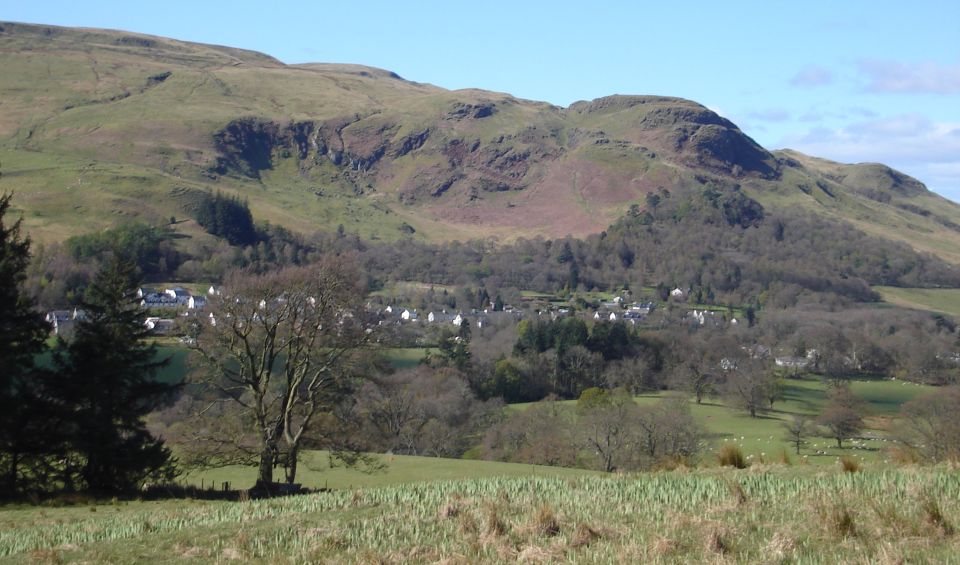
x: 777, y: 515
x: 99, y: 127
x: 942, y: 300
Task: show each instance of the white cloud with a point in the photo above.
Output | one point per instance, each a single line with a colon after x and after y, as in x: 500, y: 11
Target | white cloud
x: 927, y: 150
x: 811, y: 76
x: 893, y: 76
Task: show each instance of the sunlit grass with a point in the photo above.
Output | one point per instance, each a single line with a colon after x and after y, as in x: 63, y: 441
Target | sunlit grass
x: 776, y: 515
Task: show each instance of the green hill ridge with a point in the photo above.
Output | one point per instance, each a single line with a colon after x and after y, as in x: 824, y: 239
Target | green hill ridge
x: 99, y: 127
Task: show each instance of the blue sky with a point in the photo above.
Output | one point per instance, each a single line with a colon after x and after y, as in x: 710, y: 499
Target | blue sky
x: 852, y: 81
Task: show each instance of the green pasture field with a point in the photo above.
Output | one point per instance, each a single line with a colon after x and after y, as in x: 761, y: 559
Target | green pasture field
x: 772, y: 515
x: 942, y: 300
x: 762, y: 439
x: 406, y: 357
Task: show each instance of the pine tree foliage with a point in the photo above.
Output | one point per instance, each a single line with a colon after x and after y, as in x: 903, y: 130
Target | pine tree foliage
x: 227, y: 217
x: 22, y: 333
x: 107, y: 382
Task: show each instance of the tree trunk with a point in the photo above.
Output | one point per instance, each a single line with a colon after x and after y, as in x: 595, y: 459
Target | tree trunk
x: 12, y: 474
x: 840, y: 443
x: 291, y: 471
x: 265, y: 473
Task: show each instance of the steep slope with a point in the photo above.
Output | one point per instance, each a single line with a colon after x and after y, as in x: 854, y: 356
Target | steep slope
x: 98, y: 126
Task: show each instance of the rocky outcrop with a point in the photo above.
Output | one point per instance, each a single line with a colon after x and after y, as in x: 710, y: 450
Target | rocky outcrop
x: 246, y: 146
x: 463, y: 111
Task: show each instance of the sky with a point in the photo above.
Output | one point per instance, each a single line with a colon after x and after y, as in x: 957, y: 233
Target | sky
x: 852, y: 81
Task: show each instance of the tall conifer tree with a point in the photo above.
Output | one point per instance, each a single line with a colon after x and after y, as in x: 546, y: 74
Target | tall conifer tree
x: 107, y: 378
x: 22, y: 333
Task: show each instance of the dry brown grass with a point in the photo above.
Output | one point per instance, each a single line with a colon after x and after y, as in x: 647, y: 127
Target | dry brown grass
x: 850, y: 464
x: 537, y: 554
x: 780, y: 547
x: 738, y: 494
x: 583, y: 536
x: 663, y: 546
x: 933, y: 515
x: 903, y: 455
x: 839, y: 520
x: 494, y: 526
x: 717, y: 541
x: 731, y: 456
x: 46, y: 557
x: 545, y: 522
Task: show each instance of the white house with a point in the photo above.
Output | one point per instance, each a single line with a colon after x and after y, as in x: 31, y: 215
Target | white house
x: 458, y: 320
x: 642, y: 308
x: 158, y: 325
x: 61, y: 321
x: 196, y: 302
x: 676, y: 293
x: 792, y: 362
x: 144, y: 291
x: 613, y: 316
x: 178, y: 293
x: 439, y: 317
x: 159, y: 300
x: 409, y: 315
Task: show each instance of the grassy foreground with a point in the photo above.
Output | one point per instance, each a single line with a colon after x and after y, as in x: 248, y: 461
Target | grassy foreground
x: 767, y: 515
x: 315, y: 472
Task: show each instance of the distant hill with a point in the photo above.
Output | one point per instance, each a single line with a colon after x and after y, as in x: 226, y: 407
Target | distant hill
x: 98, y: 127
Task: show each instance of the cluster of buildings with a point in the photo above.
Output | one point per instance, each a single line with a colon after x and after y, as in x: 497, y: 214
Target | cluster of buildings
x: 617, y: 309
x: 400, y: 315
x: 174, y: 300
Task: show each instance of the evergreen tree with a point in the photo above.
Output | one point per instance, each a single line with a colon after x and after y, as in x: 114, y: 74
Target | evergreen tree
x: 22, y: 333
x: 107, y: 382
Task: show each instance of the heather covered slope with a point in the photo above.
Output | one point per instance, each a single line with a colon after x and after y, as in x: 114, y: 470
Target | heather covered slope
x: 98, y: 127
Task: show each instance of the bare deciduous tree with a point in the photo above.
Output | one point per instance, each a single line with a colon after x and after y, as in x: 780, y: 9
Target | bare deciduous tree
x: 751, y: 386
x: 797, y: 428
x: 279, y: 346
x: 930, y: 425
x: 606, y: 424
x: 841, y: 417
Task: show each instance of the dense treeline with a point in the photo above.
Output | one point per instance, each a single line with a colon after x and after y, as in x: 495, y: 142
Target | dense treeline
x: 227, y: 217
x: 717, y: 243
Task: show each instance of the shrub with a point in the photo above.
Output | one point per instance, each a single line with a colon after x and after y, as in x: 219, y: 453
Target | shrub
x: 849, y: 464
x: 731, y: 456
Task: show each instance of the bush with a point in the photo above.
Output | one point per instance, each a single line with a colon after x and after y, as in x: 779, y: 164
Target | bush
x: 849, y: 464
x: 731, y: 456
